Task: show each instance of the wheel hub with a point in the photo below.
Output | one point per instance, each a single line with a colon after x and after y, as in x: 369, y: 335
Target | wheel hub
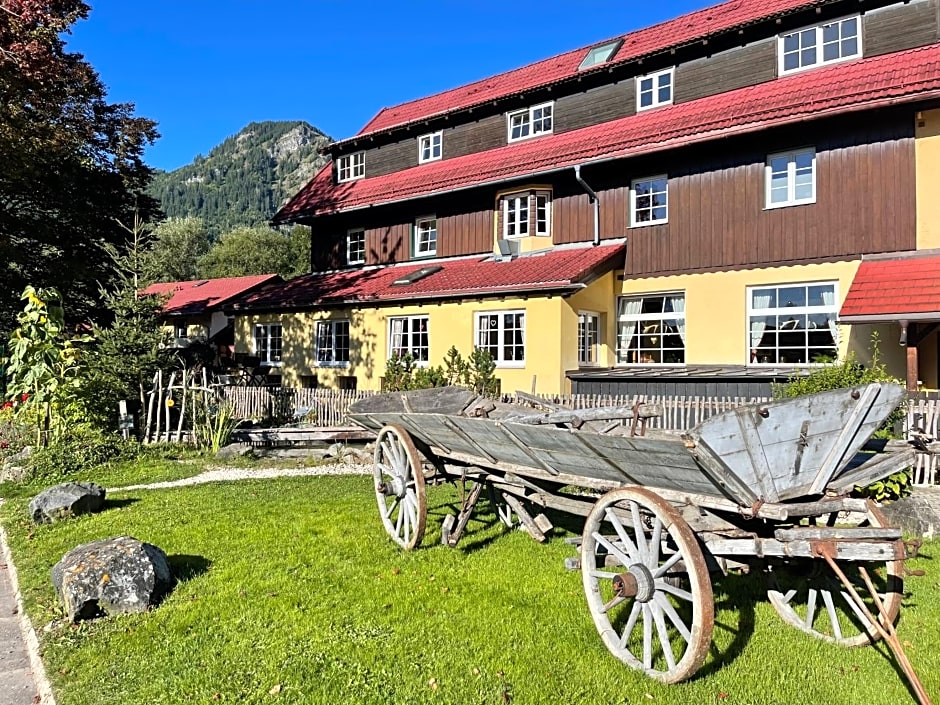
x: 638, y: 583
x: 393, y: 487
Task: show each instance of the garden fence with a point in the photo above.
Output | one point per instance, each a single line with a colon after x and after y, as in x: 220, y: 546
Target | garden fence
x: 328, y: 408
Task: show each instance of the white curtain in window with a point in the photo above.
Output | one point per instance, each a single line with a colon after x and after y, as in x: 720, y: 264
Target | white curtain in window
x: 398, y: 329
x: 677, y: 303
x: 758, y: 325
x: 627, y: 307
x: 829, y: 299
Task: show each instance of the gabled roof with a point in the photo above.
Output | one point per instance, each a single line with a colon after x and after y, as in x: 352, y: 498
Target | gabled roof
x: 205, y: 295
x: 565, y: 268
x: 856, y: 85
x: 656, y: 39
x: 906, y: 287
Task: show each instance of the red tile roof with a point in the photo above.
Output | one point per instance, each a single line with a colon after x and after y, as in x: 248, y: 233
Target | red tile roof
x: 694, y: 26
x: 204, y: 295
x: 862, y: 84
x: 558, y: 269
x: 892, y: 289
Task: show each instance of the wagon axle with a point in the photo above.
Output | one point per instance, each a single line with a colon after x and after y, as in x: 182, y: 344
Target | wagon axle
x: 638, y: 584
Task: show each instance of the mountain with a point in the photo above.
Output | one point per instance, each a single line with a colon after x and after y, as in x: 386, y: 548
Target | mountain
x: 245, y: 179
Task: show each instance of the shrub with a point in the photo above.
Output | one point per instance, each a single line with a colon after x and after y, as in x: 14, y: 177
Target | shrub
x: 477, y: 373
x: 80, y: 448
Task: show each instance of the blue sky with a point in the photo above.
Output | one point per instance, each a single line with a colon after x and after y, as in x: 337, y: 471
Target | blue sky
x: 203, y: 69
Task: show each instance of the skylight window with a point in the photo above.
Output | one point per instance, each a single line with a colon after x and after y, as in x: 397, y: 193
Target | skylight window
x: 600, y: 54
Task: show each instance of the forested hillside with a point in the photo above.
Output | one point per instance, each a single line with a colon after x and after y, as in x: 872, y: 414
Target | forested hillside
x: 244, y: 180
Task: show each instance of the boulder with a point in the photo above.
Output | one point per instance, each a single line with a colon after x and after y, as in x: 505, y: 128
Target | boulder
x: 917, y: 514
x: 111, y: 576
x: 234, y: 450
x: 66, y: 500
x: 16, y: 467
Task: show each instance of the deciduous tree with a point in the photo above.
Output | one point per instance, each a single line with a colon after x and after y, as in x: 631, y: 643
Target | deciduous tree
x: 175, y: 249
x: 252, y: 251
x: 72, y: 166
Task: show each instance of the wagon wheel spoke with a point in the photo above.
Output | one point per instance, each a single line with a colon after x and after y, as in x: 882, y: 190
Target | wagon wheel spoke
x: 807, y: 595
x: 399, y: 486
x: 654, y: 623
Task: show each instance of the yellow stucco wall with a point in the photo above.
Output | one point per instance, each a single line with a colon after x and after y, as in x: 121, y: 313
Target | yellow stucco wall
x: 927, y: 153
x: 716, y: 312
x: 449, y: 324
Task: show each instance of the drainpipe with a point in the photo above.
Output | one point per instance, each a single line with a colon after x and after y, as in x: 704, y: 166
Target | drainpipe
x: 597, y: 206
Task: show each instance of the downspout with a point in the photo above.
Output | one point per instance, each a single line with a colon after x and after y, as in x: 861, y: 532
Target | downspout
x: 597, y: 205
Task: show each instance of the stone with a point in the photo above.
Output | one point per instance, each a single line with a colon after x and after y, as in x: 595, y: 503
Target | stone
x: 66, y: 500
x: 917, y: 514
x: 111, y: 576
x: 16, y: 467
x: 338, y: 451
x: 234, y: 450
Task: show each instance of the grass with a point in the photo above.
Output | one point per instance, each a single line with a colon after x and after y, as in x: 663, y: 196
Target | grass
x: 292, y: 593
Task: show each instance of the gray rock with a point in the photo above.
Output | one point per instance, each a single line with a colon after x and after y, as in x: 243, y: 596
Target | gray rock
x: 66, y: 500
x: 15, y: 468
x: 111, y: 576
x: 917, y: 514
x: 234, y: 450
x: 338, y: 451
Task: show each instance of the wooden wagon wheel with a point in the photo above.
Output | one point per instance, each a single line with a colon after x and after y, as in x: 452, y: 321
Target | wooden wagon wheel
x: 807, y: 594
x: 399, y: 486
x: 647, y: 584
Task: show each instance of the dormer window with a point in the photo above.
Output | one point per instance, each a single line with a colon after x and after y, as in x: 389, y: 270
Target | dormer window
x: 350, y: 167
x: 654, y: 89
x: 530, y: 122
x: 600, y: 54
x: 816, y: 46
x: 526, y: 213
x: 429, y: 147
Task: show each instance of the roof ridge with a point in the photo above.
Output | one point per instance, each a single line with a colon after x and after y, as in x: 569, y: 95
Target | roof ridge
x: 623, y: 54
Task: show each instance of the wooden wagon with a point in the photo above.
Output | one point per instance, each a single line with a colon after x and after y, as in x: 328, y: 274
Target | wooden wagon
x: 763, y: 486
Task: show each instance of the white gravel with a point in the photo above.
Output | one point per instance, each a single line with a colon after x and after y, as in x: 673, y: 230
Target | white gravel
x: 229, y: 474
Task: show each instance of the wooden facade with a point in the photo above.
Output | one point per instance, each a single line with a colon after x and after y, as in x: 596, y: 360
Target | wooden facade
x: 895, y: 27
x: 865, y: 203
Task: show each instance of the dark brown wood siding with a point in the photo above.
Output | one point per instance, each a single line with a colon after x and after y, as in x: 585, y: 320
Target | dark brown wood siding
x: 900, y: 27
x: 594, y: 106
x: 327, y: 251
x: 392, y: 157
x: 736, y: 68
x: 478, y: 136
x: 388, y: 244
x: 717, y: 220
x: 464, y: 234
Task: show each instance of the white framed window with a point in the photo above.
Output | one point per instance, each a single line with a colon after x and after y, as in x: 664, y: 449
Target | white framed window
x: 792, y: 324
x: 516, y: 216
x: 268, y: 343
x: 589, y: 328
x: 649, y: 201
x: 526, y: 213
x: 654, y: 89
x: 839, y: 40
x: 425, y: 244
x: 408, y: 335
x: 350, y: 167
x: 790, y: 178
x: 429, y: 147
x: 502, y: 335
x: 332, y: 343
x: 651, y: 329
x: 356, y: 247
x: 530, y: 122
x: 543, y: 214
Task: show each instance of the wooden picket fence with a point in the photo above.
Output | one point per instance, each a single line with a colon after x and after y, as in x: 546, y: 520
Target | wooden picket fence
x: 328, y: 408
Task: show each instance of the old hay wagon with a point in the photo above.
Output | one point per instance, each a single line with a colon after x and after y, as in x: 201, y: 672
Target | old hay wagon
x: 758, y: 487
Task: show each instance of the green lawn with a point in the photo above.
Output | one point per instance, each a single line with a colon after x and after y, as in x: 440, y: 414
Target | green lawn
x: 292, y: 593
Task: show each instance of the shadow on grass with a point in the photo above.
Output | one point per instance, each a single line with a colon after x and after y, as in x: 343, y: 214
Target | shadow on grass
x: 188, y: 567
x: 119, y: 503
x: 735, y: 597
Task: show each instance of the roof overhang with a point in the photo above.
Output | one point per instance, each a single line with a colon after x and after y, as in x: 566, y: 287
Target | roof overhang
x: 897, y: 288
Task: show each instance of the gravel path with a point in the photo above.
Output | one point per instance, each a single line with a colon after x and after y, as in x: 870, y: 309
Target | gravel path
x: 231, y: 474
